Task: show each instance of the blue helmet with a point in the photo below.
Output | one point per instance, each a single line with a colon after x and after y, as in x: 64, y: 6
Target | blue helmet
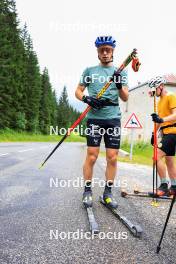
x: 105, y: 40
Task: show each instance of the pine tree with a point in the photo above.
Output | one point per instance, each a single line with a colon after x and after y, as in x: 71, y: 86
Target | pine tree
x: 27, y: 100
x: 63, y: 110
x: 48, y: 104
x: 54, y: 109
x: 11, y: 64
x: 33, y: 88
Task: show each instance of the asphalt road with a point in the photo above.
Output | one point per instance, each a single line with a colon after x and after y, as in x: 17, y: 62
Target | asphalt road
x: 42, y: 219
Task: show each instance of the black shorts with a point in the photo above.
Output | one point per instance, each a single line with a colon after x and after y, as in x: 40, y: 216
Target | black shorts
x: 168, y: 144
x: 110, y: 129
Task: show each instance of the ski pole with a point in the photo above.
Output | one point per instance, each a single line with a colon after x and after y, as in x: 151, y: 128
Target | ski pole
x: 130, y: 57
x: 165, y: 225
x: 155, y: 174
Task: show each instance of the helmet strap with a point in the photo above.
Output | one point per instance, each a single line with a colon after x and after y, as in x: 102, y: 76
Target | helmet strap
x: 161, y: 91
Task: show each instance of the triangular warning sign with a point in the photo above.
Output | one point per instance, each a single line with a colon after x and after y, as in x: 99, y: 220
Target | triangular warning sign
x: 133, y: 122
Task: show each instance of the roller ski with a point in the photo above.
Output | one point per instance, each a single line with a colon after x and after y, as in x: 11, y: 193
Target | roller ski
x: 137, y: 193
x: 163, y: 192
x: 87, y: 202
x: 172, y: 190
x: 136, y: 230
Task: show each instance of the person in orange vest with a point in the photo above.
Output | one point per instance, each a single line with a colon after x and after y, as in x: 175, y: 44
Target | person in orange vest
x: 166, y: 123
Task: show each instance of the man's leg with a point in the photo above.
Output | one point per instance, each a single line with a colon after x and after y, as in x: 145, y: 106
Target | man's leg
x: 112, y: 144
x: 161, y: 169
x: 92, y: 155
x: 171, y: 167
x: 111, y: 169
x: 168, y: 147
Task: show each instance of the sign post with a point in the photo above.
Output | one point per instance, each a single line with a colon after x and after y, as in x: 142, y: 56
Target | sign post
x: 132, y: 123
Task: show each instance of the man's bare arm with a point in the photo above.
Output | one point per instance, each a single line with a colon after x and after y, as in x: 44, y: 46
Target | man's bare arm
x: 80, y: 91
x: 171, y: 117
x: 124, y: 93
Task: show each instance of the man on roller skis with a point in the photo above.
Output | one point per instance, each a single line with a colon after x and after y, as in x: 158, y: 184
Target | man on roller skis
x: 166, y: 123
x: 105, y: 114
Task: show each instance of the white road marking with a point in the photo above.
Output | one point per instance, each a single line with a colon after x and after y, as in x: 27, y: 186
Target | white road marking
x: 25, y: 150
x: 20, y: 151
x: 4, y: 154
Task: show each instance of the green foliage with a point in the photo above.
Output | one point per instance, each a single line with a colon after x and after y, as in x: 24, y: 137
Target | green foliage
x: 142, y: 153
x: 11, y: 62
x: 48, y: 104
x: 66, y: 114
x: 21, y: 121
x: 10, y: 135
x: 139, y: 147
x: 27, y: 99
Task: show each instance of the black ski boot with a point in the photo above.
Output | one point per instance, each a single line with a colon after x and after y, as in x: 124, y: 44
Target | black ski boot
x: 110, y: 200
x: 87, y: 198
x: 163, y: 190
x: 172, y: 190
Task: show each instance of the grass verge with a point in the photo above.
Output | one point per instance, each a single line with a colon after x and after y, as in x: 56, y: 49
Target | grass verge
x: 13, y: 136
x: 142, y: 153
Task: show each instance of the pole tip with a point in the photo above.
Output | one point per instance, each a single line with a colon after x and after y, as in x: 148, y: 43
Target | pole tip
x: 155, y: 203
x: 158, y: 249
x: 40, y: 167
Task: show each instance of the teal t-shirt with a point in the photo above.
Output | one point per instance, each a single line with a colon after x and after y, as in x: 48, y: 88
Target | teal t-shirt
x: 94, y: 78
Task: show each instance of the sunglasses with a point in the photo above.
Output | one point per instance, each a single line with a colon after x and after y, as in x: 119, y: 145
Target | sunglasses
x: 103, y: 49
